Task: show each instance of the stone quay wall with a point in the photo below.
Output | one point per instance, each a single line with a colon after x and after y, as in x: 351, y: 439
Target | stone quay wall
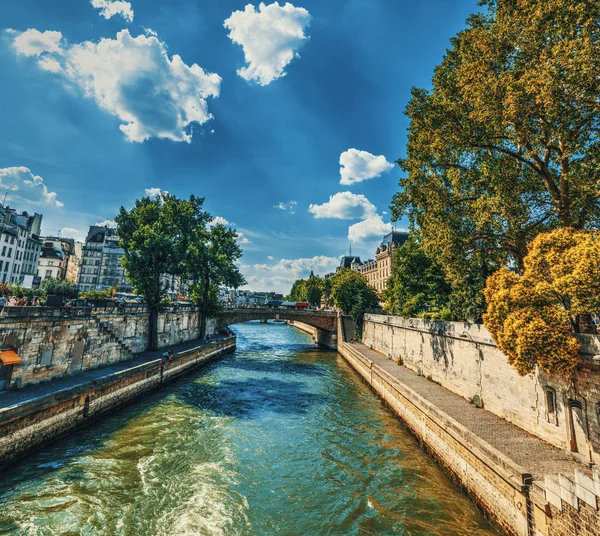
x: 309, y: 330
x: 32, y: 424
x: 559, y: 505
x: 54, y: 342
x: 464, y: 359
x: 495, y: 482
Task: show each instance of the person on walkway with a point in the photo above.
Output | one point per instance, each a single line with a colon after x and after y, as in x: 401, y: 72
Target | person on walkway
x: 12, y: 301
x: 170, y: 356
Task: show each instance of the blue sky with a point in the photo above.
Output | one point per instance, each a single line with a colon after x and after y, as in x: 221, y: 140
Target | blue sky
x: 251, y: 106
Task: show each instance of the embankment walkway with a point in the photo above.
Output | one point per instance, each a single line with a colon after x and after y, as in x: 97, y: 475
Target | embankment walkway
x: 29, y: 393
x: 531, y: 453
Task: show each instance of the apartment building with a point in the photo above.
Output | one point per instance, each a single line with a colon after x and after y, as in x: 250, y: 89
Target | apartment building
x: 20, y: 245
x: 58, y: 259
x: 101, y: 267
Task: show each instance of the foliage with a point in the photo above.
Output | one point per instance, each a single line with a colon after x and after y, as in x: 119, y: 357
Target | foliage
x: 298, y: 291
x: 213, y: 305
x: 96, y: 295
x: 417, y: 286
x: 532, y: 316
x: 307, y: 290
x: 54, y: 287
x: 210, y: 261
x: 505, y: 146
x: 154, y: 242
x: 352, y: 295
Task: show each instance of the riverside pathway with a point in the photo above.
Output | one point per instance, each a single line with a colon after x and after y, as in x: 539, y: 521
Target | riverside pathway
x: 534, y: 455
x: 32, y: 392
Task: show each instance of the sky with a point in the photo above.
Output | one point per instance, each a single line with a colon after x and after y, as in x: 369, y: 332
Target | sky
x: 287, y: 117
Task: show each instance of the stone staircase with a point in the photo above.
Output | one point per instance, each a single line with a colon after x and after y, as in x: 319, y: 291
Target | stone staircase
x: 348, y: 328
x: 109, y: 342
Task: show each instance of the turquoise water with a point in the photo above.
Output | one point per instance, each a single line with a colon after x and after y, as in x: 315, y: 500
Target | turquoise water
x: 279, y: 438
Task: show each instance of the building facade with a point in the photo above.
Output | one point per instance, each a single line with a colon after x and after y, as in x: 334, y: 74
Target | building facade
x: 377, y: 271
x: 57, y: 258
x: 101, y: 267
x: 20, y: 245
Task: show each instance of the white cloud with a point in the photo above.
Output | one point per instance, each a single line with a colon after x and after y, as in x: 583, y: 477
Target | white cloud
x: 270, y: 257
x: 286, y: 207
x: 357, y: 166
x: 35, y: 43
x: 242, y: 240
x: 368, y: 228
x: 155, y: 192
x: 270, y: 38
x: 281, y: 275
x: 133, y: 79
x: 344, y: 206
x: 218, y: 220
x: 22, y: 185
x: 69, y: 232
x: 107, y: 223
x: 110, y: 8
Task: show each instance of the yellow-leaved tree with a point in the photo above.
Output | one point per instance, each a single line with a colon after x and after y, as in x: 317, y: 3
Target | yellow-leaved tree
x: 533, y: 316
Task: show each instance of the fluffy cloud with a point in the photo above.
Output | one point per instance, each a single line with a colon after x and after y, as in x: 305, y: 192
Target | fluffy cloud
x: 368, y: 228
x: 270, y: 38
x: 132, y: 78
x: 344, y: 206
x: 107, y: 223
x: 110, y: 8
x: 155, y: 192
x: 357, y: 166
x: 69, y: 232
x: 242, y: 240
x: 218, y: 220
x: 23, y: 186
x: 35, y: 43
x: 280, y: 276
x: 286, y: 207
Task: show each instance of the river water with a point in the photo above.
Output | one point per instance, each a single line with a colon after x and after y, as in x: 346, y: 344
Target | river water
x: 279, y: 438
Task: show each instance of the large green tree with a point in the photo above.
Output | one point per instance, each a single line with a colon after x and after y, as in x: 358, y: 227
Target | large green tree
x: 211, y: 262
x: 352, y: 295
x: 417, y: 285
x: 154, y: 241
x: 505, y: 145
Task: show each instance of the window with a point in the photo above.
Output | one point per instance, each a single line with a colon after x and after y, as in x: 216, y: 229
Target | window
x: 12, y: 239
x: 9, y: 255
x: 551, y: 409
x: 48, y: 273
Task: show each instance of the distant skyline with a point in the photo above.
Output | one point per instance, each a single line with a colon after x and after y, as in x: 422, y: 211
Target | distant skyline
x: 287, y: 117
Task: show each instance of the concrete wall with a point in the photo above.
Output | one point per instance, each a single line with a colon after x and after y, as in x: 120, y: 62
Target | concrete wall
x: 30, y: 425
x: 54, y: 342
x: 464, y: 359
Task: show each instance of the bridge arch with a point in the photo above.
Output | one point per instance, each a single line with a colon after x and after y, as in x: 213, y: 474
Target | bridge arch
x: 325, y: 322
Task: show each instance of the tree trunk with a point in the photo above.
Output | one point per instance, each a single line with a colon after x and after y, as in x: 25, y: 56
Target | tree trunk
x: 204, y: 307
x: 153, y: 330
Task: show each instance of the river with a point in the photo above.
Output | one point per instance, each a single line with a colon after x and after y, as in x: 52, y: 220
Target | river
x: 279, y: 438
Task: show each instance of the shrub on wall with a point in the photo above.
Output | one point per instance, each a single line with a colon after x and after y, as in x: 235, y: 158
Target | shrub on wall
x: 533, y: 317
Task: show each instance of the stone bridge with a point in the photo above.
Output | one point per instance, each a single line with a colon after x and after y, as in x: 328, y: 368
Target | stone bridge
x: 325, y: 322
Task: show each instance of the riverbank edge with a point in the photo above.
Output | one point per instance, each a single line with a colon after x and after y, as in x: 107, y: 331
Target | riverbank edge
x: 309, y: 330
x: 29, y: 426
x: 494, y: 482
